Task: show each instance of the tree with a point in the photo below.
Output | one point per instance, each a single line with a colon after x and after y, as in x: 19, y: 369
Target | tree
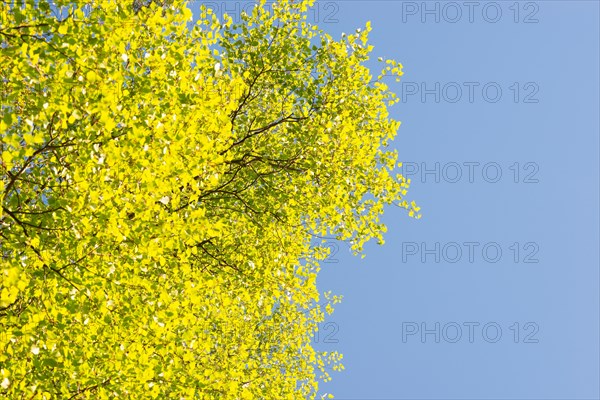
x: 161, y: 187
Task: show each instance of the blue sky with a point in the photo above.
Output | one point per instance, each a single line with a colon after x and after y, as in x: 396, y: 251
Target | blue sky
x: 494, y: 293
x: 500, y: 135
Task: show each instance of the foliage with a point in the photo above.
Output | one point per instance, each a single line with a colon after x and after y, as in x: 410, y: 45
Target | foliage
x: 161, y: 186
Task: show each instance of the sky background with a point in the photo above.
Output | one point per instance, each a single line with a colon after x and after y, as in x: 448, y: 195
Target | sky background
x: 500, y: 136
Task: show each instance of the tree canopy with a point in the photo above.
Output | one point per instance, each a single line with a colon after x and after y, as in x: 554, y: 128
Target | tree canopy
x: 163, y: 182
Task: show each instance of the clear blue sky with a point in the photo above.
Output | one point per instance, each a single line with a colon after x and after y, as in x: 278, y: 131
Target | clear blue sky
x: 511, y: 216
